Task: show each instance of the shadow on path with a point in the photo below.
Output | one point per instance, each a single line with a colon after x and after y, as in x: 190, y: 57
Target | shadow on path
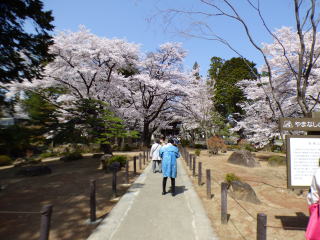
x: 298, y: 222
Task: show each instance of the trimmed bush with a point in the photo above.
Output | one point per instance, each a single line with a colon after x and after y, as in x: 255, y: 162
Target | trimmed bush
x: 118, y: 158
x: 200, y: 146
x: 233, y: 147
x: 71, y: 157
x: 185, y: 142
x: 277, y: 160
x: 48, y: 154
x: 197, y: 152
x: 231, y: 177
x: 5, y: 160
x: 250, y: 148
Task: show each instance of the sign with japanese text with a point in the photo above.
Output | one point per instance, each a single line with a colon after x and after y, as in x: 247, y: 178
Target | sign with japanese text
x: 303, y: 154
x: 300, y: 124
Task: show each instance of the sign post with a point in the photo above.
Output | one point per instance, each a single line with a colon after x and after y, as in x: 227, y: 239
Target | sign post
x: 303, y: 151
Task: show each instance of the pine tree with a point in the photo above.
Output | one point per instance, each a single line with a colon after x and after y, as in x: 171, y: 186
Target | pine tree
x: 24, y: 51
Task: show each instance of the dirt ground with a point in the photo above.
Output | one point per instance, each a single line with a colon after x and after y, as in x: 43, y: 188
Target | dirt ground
x: 286, y: 210
x: 67, y: 188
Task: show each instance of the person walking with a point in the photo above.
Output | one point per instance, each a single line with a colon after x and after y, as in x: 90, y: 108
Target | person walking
x: 155, y: 156
x: 169, y: 154
x: 313, y: 198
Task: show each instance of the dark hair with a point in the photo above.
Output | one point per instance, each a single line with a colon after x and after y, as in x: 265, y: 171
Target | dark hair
x: 171, y: 141
x: 156, y: 140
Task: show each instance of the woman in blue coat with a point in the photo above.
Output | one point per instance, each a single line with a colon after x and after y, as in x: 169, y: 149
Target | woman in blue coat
x: 169, y: 154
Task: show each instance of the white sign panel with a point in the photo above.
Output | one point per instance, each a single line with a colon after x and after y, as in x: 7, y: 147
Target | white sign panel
x: 304, y: 160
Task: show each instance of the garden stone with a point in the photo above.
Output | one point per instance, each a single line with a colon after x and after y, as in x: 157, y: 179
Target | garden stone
x: 244, y: 158
x: 34, y: 171
x: 243, y: 191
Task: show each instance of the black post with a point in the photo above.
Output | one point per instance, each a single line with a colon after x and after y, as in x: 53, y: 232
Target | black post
x: 46, y: 213
x: 93, y: 200
x: 127, y: 172
x: 261, y: 226
x: 144, y: 157
x: 190, y: 162
x: 135, y: 164
x: 140, y: 161
x: 148, y: 155
x: 224, y: 215
x: 194, y: 166
x: 208, y: 177
x: 199, y: 173
x: 114, y: 182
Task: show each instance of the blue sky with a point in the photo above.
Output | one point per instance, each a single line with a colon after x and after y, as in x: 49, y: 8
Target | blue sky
x: 137, y: 21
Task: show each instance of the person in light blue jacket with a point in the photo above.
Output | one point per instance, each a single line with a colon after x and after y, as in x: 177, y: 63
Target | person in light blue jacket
x: 169, y: 154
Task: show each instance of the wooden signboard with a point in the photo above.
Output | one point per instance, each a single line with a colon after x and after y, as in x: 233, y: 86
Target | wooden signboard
x: 303, y: 154
x: 300, y: 124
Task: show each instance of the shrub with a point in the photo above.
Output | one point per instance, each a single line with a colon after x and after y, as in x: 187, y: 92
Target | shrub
x: 118, y: 158
x: 277, y: 160
x: 250, y: 148
x: 231, y: 177
x: 48, y: 154
x: 197, y: 152
x: 71, y: 157
x: 185, y: 142
x: 5, y: 160
x: 233, y: 147
x: 200, y: 146
x: 215, y: 144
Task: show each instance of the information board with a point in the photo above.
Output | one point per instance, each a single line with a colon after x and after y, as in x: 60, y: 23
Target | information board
x: 303, y: 153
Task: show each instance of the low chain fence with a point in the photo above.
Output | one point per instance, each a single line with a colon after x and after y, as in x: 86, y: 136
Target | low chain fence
x: 47, y: 210
x: 260, y: 219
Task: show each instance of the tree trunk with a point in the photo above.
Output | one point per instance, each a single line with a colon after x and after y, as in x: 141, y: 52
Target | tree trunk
x: 146, y: 136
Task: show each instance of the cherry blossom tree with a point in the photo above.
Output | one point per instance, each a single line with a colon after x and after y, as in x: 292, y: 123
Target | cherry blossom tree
x: 88, y: 70
x: 262, y: 111
x: 143, y: 90
x: 299, y: 59
x: 198, y: 109
x: 87, y: 66
x: 154, y: 93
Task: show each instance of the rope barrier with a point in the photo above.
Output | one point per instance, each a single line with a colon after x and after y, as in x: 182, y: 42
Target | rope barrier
x: 254, y: 218
x: 243, y: 237
x: 244, y: 209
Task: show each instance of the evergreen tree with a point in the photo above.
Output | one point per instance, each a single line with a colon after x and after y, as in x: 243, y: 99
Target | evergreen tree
x: 215, y: 67
x: 23, y: 52
x: 226, y: 94
x: 196, y: 67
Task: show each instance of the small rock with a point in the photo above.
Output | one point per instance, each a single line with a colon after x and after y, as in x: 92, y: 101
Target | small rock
x: 244, y: 158
x: 243, y: 191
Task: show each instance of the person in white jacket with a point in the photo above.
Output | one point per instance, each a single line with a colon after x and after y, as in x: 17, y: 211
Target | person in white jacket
x: 313, y: 195
x: 155, y: 156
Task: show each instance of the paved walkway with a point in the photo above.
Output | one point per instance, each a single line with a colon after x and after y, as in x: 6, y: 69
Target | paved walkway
x: 144, y: 214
